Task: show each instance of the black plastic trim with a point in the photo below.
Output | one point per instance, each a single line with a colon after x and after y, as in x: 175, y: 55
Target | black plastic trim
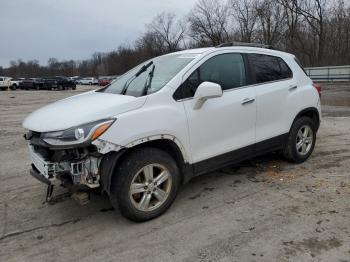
x: 309, y: 109
x: 239, y: 155
x: 107, y: 167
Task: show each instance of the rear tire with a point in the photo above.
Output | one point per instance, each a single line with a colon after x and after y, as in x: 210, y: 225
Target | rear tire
x: 145, y: 184
x: 301, y: 140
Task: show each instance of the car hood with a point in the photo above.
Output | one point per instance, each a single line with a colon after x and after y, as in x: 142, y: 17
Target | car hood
x: 80, y: 109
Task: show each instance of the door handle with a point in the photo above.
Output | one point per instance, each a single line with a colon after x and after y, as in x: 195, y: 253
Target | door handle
x: 291, y: 88
x: 248, y: 101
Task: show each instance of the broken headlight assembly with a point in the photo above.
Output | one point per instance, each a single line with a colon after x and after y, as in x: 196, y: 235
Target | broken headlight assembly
x: 79, y: 135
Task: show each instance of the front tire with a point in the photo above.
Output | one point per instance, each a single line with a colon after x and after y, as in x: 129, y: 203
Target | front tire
x: 145, y: 184
x: 301, y: 140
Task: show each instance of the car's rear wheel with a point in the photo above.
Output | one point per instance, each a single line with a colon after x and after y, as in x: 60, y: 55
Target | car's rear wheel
x: 301, y: 140
x: 13, y: 87
x: 145, y: 184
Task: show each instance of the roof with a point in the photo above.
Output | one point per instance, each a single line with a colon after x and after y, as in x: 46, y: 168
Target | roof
x: 242, y: 47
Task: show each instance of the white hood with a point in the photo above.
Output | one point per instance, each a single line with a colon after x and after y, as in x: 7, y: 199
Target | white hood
x: 80, y: 109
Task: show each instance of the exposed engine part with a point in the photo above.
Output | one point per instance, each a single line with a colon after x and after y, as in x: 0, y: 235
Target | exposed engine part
x: 80, y: 166
x: 86, y: 172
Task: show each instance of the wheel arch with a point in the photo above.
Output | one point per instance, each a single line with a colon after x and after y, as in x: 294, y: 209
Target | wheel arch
x: 166, y: 143
x: 310, y: 112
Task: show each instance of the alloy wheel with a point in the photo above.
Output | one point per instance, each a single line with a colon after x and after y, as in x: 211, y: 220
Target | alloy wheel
x: 150, y: 187
x: 304, y: 140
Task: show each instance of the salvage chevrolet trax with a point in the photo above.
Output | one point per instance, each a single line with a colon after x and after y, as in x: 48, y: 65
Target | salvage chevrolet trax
x: 172, y: 118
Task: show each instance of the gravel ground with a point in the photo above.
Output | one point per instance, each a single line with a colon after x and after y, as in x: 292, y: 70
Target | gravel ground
x: 264, y: 209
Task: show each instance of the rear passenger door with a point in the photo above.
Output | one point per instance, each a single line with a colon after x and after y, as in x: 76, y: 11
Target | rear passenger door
x: 274, y: 87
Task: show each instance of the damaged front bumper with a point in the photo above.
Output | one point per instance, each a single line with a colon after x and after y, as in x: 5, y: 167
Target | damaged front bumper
x: 80, y: 169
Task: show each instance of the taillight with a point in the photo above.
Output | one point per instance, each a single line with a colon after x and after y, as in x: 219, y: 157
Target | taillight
x: 318, y: 88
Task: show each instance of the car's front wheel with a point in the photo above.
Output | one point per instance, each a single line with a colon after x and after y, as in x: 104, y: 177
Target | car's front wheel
x: 301, y: 140
x: 145, y: 184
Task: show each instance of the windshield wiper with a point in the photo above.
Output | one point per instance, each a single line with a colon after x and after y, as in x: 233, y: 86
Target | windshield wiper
x: 149, y: 81
x: 128, y: 82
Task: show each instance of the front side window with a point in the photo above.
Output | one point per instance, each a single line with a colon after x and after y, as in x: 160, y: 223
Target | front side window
x: 226, y: 70
x: 269, y: 68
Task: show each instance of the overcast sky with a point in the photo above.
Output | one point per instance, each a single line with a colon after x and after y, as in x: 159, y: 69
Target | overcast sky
x: 74, y: 29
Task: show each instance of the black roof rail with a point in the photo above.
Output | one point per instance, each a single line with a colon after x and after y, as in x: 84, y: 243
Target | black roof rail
x: 244, y: 44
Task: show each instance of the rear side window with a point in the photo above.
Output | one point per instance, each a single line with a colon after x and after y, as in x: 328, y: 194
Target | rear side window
x: 268, y: 68
x: 226, y: 70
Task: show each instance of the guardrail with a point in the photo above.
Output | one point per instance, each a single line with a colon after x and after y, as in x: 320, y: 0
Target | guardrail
x: 329, y: 73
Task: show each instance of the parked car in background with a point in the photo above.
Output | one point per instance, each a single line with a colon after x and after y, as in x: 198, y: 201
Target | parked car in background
x: 15, y: 83
x: 4, y: 82
x: 74, y: 78
x: 88, y: 81
x: 59, y: 83
x: 104, y: 81
x: 32, y: 83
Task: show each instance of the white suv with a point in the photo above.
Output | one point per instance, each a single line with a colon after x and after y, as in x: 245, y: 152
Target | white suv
x: 172, y: 118
x: 88, y: 81
x: 4, y: 82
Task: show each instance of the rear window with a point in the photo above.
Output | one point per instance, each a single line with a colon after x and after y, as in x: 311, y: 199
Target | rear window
x: 268, y: 68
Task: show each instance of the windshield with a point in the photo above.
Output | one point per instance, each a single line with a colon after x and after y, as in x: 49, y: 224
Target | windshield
x: 165, y: 68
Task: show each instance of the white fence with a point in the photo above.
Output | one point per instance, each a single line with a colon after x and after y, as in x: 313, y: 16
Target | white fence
x: 329, y: 73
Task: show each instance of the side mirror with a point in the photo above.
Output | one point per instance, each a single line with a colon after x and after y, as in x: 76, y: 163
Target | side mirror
x: 205, y: 91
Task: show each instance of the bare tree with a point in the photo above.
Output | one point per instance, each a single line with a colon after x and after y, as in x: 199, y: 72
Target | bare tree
x: 313, y: 13
x: 337, y: 36
x: 209, y: 22
x: 150, y: 44
x: 291, y: 18
x: 317, y: 32
x: 270, y: 21
x: 169, y: 31
x: 244, y: 11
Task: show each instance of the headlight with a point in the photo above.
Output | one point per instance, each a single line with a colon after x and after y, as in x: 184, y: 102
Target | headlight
x: 79, y: 134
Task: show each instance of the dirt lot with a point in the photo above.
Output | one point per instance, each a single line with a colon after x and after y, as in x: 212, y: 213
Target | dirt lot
x: 261, y: 210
